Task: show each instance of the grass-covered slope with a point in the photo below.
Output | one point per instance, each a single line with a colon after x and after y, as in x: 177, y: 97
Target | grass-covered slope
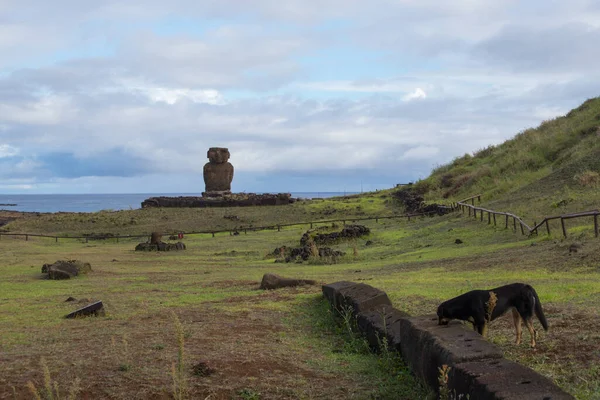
x: 552, y: 169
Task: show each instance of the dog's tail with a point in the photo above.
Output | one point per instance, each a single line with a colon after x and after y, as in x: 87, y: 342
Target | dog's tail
x: 538, y: 309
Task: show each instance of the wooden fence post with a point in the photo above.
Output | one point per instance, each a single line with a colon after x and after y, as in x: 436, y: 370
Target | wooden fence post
x: 548, y: 227
x: 481, y: 215
x: 522, y: 231
x: 473, y: 201
x: 56, y: 239
x: 469, y: 211
x: 506, y: 227
x: 311, y: 225
x: 494, y: 219
x: 278, y: 228
x: 213, y: 234
x: 596, y: 224
x: 562, y: 222
x: 515, y: 224
x: 245, y: 231
x: 489, y: 217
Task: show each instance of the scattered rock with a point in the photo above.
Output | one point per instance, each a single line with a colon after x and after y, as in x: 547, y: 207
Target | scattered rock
x: 114, y: 260
x: 348, y: 232
x: 202, y: 369
x: 162, y: 246
x: 574, y: 248
x: 70, y: 299
x: 414, y: 202
x: 66, y: 269
x: 94, y: 309
x: 458, y: 241
x: 272, y: 281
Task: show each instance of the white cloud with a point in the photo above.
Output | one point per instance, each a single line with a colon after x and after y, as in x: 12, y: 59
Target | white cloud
x: 418, y: 93
x: 8, y: 151
x: 292, y: 89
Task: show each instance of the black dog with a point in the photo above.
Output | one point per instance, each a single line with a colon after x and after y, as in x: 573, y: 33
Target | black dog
x: 482, y: 306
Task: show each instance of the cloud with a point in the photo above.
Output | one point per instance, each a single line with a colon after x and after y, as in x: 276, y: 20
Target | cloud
x: 7, y: 151
x: 559, y: 48
x: 417, y: 94
x: 134, y: 93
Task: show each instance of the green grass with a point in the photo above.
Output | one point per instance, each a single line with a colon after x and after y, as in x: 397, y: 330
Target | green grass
x: 212, y: 287
x: 532, y: 172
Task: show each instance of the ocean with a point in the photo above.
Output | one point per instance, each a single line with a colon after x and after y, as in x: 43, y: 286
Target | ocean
x: 98, y: 202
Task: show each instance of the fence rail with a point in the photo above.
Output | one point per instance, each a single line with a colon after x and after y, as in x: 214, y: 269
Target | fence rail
x: 491, y: 214
x: 237, y: 229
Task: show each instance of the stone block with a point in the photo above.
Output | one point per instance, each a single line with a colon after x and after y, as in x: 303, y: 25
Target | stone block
x: 381, y: 324
x: 272, y: 281
x: 331, y: 290
x: 502, y: 379
x: 94, y: 309
x: 426, y: 346
x: 362, y: 297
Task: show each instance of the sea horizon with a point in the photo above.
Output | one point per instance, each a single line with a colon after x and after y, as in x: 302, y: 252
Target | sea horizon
x: 90, y: 202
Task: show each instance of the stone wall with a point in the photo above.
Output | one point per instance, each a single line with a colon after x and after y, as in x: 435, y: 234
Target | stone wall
x: 233, y: 200
x: 477, y: 367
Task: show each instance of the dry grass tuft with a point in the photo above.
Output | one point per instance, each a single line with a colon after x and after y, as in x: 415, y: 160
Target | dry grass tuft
x: 588, y: 178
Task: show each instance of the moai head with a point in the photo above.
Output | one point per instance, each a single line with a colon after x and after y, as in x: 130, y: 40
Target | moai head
x: 218, y: 155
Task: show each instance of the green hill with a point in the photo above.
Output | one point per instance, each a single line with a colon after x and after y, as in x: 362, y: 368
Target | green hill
x: 549, y: 170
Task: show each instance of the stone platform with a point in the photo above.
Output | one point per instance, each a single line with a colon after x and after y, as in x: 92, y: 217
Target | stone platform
x: 229, y: 200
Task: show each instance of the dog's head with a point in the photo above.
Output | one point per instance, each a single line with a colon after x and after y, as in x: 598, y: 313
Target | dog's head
x: 443, y: 316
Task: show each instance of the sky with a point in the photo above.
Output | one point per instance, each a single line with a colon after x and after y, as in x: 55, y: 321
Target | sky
x: 120, y: 96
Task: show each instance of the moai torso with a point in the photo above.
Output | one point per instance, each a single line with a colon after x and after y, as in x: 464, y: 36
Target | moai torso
x: 218, y: 173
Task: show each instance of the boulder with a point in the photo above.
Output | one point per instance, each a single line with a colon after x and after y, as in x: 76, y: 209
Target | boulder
x: 272, y: 281
x: 348, y: 232
x: 66, y: 269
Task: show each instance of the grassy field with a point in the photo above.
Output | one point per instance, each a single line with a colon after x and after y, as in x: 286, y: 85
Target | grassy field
x: 275, y: 344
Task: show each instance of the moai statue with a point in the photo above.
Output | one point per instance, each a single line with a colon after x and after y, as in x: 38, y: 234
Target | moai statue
x: 218, y: 173
x: 155, y: 238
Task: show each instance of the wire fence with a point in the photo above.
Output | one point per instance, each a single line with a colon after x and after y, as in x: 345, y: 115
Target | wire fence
x: 236, y: 230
